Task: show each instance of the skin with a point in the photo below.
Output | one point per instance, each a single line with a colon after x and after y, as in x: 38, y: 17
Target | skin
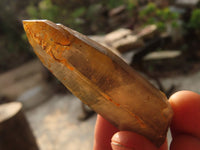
x: 185, y: 128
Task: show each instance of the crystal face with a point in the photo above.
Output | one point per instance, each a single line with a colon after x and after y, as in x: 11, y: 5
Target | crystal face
x: 101, y: 79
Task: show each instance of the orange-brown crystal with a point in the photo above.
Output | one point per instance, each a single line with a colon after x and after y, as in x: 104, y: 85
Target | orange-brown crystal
x: 101, y: 79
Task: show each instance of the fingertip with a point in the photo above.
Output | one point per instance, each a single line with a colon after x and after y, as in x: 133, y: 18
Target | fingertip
x: 183, y: 95
x: 125, y: 140
x: 186, y: 107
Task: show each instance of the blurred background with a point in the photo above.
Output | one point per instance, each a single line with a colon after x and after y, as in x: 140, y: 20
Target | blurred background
x: 158, y: 38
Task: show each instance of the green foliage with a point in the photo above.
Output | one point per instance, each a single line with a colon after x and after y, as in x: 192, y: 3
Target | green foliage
x: 78, y: 12
x: 195, y: 19
x: 151, y: 14
x: 48, y: 10
x: 161, y: 25
x: 74, y: 19
x: 165, y: 14
x: 45, y: 10
x: 131, y: 4
x: 77, y: 15
x: 150, y: 9
x: 114, y: 3
x: 32, y: 11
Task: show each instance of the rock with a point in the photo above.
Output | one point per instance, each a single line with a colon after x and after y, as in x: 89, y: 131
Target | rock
x: 117, y: 10
x: 98, y: 38
x: 166, y: 54
x: 148, y: 32
x: 128, y: 43
x: 116, y: 35
x: 186, y: 2
x: 123, y: 40
x: 101, y: 39
x: 118, y: 17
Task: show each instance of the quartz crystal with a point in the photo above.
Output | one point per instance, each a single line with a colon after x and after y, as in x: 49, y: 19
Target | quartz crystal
x: 101, y: 79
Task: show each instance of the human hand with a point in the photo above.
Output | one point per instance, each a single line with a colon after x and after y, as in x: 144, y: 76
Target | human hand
x: 185, y: 128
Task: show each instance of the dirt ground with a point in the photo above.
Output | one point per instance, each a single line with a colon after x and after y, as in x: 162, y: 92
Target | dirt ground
x: 56, y: 126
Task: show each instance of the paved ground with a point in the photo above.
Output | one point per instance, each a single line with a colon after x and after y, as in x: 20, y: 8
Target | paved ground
x: 53, y: 117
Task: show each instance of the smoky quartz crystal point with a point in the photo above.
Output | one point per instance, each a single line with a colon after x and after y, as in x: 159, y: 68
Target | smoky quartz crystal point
x: 101, y: 80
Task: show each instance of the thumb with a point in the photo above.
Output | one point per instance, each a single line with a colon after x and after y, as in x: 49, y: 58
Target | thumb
x: 125, y: 140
